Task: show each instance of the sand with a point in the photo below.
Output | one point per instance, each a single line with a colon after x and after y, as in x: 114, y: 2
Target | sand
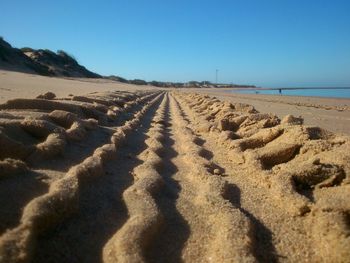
x: 329, y: 113
x: 332, y: 114
x: 167, y: 176
x: 22, y: 85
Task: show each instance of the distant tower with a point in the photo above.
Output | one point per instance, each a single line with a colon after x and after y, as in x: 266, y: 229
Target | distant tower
x: 216, y: 76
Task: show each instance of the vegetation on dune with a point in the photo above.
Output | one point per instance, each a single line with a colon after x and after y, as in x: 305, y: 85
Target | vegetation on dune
x: 117, y: 78
x: 66, y: 55
x: 42, y: 61
x: 27, y: 49
x: 138, y: 82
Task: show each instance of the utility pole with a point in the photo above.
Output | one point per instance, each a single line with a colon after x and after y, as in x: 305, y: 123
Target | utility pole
x: 216, y: 76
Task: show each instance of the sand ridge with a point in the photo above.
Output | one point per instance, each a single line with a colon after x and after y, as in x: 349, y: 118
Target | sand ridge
x: 158, y: 176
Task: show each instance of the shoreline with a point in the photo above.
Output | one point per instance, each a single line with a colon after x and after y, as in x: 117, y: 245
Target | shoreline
x: 325, y: 101
x: 295, y: 88
x: 283, y: 94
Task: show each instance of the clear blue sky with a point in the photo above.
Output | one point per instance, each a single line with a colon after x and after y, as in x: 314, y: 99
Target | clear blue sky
x: 262, y: 42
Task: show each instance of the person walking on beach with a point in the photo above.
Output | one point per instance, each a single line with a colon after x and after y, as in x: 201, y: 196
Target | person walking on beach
x: 280, y: 91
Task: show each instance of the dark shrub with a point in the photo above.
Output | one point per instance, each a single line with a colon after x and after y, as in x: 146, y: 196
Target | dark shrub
x: 138, y: 82
x: 117, y: 78
x: 27, y: 49
x: 66, y: 55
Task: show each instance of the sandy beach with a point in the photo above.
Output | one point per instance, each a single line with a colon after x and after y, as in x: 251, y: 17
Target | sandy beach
x: 22, y: 85
x: 175, y: 132
x: 332, y: 114
x: 122, y: 173
x: 111, y: 172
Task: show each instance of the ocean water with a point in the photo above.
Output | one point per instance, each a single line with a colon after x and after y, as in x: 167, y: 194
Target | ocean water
x: 314, y: 92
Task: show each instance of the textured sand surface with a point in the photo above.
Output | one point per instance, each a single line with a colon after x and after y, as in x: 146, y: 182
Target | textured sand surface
x: 159, y: 176
x: 329, y: 113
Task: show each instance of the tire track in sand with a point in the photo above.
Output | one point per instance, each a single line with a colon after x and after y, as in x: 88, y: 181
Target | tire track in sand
x: 186, y: 179
x: 102, y: 209
x: 262, y: 245
x: 184, y: 217
x: 76, y: 139
x: 62, y: 201
x: 226, y: 236
x: 183, y: 236
x: 173, y: 200
x: 268, y: 173
x: 131, y: 241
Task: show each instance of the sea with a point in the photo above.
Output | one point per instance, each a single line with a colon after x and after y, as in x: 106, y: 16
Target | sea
x: 313, y: 92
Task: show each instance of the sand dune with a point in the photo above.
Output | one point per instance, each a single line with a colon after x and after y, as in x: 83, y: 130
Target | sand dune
x: 155, y: 176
